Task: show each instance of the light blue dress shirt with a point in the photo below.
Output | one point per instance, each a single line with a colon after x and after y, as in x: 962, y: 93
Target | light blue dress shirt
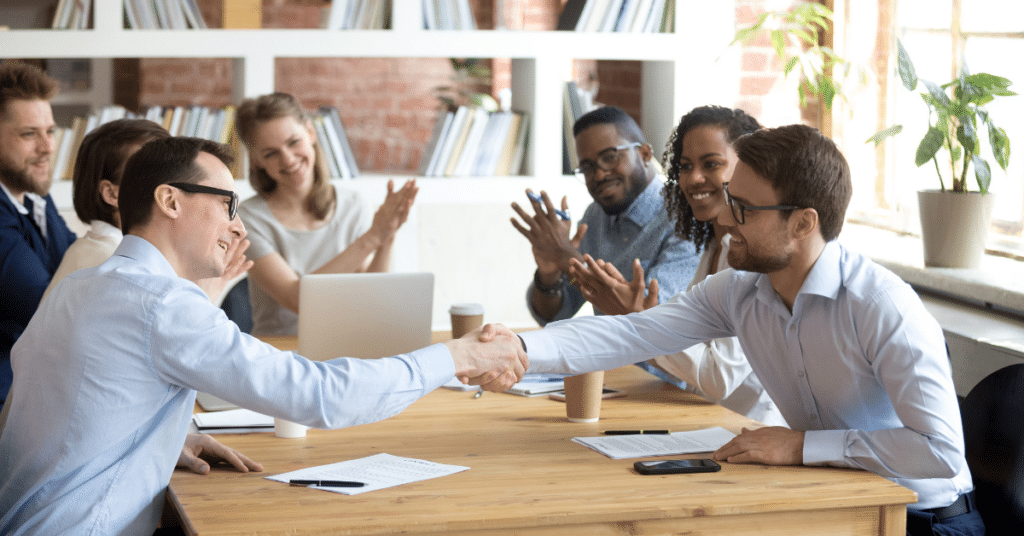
x: 643, y: 231
x: 859, y: 364
x: 104, y: 386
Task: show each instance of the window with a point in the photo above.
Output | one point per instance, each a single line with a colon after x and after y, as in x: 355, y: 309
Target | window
x: 939, y: 35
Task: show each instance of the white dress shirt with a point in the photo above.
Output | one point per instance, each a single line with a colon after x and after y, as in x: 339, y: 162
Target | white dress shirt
x: 858, y: 364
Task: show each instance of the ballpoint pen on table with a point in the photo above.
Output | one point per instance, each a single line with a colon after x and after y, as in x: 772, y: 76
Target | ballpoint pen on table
x: 636, y: 432
x: 327, y: 483
x: 479, y: 393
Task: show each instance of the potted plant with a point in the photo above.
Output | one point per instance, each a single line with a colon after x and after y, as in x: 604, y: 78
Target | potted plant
x: 955, y: 220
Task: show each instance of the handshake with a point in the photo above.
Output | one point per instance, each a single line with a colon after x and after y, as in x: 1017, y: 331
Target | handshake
x: 491, y: 356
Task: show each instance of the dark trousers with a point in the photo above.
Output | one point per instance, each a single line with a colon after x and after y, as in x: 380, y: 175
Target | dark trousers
x: 928, y: 524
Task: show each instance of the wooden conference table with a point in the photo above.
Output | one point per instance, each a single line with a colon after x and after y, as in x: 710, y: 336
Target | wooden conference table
x: 527, y: 477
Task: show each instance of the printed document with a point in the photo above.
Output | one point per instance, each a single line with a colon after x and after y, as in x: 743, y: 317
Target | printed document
x: 377, y: 472
x: 641, y: 446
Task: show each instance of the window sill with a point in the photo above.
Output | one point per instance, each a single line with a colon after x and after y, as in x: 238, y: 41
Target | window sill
x: 997, y: 285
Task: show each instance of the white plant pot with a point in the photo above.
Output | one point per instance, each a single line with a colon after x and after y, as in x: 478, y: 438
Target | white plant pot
x: 954, y: 227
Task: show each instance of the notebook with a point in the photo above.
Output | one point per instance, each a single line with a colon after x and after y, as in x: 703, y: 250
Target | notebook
x: 364, y: 315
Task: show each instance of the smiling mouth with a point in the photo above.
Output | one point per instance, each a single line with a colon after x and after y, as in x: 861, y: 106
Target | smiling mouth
x: 701, y: 196
x: 600, y: 187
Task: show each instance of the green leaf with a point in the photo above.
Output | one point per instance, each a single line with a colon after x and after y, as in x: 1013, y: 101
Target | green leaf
x: 789, y: 65
x: 936, y: 93
x: 827, y: 90
x: 1000, y: 143
x: 929, y: 146
x: 905, y: 67
x: 881, y: 135
x: 982, y: 173
x: 968, y: 137
x: 779, y: 43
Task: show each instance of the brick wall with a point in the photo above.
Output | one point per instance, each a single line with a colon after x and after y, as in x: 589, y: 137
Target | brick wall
x: 387, y: 104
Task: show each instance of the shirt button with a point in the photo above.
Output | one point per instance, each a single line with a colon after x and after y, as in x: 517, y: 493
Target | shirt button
x: 812, y: 417
x: 800, y: 374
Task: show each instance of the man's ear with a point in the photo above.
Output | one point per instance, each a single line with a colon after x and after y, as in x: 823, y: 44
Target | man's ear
x: 168, y: 200
x: 646, y: 152
x: 108, y: 192
x: 805, y: 222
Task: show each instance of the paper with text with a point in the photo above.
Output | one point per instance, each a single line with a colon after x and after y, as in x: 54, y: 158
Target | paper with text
x: 641, y: 446
x: 377, y: 472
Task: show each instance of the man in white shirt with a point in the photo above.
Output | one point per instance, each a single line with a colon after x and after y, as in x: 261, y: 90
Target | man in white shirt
x: 90, y: 450
x: 846, y: 350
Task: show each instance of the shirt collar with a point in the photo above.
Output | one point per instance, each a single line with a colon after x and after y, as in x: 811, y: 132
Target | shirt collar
x: 646, y: 206
x: 102, y: 228
x: 14, y: 201
x: 824, y: 279
x: 141, y: 250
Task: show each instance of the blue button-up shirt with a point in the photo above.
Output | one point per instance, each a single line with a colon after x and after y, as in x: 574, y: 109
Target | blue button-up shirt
x: 104, y: 386
x: 643, y: 231
x: 859, y: 364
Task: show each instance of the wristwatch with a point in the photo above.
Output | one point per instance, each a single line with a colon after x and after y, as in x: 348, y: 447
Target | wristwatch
x: 553, y: 289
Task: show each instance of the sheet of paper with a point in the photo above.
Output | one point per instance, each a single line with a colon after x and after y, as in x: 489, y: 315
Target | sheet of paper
x: 377, y: 472
x: 538, y: 384
x: 232, y: 418
x: 644, y: 445
x: 455, y: 385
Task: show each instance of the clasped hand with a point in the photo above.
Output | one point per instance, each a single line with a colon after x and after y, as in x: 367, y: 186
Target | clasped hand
x: 490, y: 356
x: 603, y: 286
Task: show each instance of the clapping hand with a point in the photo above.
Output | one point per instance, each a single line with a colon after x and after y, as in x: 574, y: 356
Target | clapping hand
x: 395, y: 209
x: 548, y: 233
x: 603, y: 286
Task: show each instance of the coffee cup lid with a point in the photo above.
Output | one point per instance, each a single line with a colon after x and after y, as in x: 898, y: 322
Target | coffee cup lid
x: 466, y: 309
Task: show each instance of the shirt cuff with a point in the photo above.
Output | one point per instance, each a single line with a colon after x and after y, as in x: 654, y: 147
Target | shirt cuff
x: 543, y: 351
x: 436, y: 365
x: 825, y: 447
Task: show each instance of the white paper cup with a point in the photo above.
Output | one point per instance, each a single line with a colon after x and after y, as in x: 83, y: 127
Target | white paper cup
x: 465, y: 318
x: 289, y: 429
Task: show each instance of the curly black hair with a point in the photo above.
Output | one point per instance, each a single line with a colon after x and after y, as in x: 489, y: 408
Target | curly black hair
x: 735, y: 123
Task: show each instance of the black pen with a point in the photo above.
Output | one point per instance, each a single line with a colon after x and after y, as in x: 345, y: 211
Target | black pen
x: 327, y: 483
x: 636, y: 432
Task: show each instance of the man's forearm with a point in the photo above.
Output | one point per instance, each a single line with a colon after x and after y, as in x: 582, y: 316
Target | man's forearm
x: 547, y: 293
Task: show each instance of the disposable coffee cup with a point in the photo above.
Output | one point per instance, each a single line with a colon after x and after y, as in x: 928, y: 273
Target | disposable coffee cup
x: 289, y: 429
x: 583, y: 396
x: 465, y: 318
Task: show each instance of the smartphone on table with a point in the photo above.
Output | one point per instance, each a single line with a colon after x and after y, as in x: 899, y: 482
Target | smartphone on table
x: 670, y: 467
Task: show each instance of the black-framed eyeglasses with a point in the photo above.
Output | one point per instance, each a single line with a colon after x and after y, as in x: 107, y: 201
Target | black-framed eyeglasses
x: 200, y: 189
x: 606, y: 160
x: 738, y: 209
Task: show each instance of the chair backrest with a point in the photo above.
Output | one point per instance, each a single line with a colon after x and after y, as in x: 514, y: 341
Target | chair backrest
x: 235, y: 302
x: 993, y: 418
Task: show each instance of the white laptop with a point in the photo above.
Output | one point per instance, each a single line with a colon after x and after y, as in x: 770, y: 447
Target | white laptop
x: 358, y: 315
x: 365, y: 315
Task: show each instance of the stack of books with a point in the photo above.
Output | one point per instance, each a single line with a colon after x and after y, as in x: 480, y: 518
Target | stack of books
x: 359, y: 15
x: 330, y: 135
x: 72, y: 15
x: 163, y: 14
x: 448, y: 15
x: 635, y: 16
x: 575, y: 103
x: 472, y: 142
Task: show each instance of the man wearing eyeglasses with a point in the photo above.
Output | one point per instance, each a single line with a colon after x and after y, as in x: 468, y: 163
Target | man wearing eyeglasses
x: 845, y: 348
x: 108, y: 368
x: 626, y: 225
x: 33, y: 236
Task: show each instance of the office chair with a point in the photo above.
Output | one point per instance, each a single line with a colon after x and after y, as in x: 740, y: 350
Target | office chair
x: 993, y: 418
x: 235, y: 303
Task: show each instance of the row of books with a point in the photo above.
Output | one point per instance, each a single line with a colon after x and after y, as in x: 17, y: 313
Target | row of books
x: 330, y: 135
x: 472, y: 142
x: 635, y: 16
x: 359, y: 15
x: 72, y: 15
x: 575, y: 103
x: 163, y: 14
x: 448, y: 15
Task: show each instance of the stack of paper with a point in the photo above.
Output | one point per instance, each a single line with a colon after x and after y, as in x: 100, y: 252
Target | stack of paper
x: 641, y: 446
x: 538, y: 384
x: 233, y: 421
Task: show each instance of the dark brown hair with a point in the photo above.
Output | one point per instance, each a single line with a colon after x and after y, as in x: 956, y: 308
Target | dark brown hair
x: 159, y: 162
x: 805, y: 168
x: 102, y: 155
x: 734, y: 123
x: 254, y: 112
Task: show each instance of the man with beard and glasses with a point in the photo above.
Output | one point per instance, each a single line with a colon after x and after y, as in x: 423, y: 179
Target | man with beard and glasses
x: 626, y: 225
x: 845, y: 348
x: 33, y: 236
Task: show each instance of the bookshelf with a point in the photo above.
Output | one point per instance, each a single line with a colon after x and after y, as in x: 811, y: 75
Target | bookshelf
x: 680, y: 70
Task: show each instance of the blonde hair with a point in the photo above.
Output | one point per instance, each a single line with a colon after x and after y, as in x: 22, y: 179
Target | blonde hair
x: 254, y: 112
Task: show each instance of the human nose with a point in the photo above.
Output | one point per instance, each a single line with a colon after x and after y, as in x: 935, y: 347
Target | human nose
x: 45, y: 143
x: 238, y: 228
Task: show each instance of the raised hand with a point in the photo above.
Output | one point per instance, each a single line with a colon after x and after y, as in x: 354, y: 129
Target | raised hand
x: 490, y: 356
x: 395, y: 209
x: 548, y: 233
x: 237, y: 265
x: 603, y: 286
x: 200, y: 450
